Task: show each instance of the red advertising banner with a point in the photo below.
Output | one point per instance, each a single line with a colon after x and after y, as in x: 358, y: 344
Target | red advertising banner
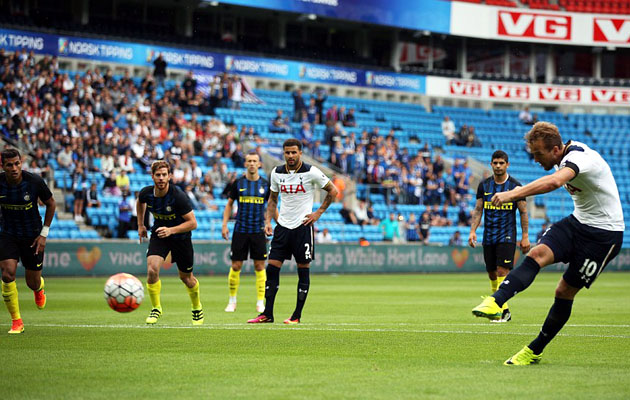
x: 534, y: 25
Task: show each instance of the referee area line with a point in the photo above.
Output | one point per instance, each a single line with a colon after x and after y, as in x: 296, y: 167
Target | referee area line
x: 327, y: 327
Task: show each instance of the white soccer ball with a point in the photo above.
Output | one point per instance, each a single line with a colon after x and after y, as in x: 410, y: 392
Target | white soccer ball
x: 124, y: 292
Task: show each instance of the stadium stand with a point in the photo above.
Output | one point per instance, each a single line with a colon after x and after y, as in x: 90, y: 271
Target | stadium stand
x: 392, y: 143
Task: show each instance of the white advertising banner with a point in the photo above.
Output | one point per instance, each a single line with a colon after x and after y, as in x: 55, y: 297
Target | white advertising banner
x: 525, y: 92
x: 542, y: 26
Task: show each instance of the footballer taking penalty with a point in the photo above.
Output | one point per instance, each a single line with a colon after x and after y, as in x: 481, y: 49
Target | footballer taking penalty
x: 174, y: 220
x: 587, y: 240
x: 23, y: 238
x: 293, y: 236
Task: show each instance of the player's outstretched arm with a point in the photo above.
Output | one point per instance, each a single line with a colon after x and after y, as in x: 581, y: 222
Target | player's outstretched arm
x: 330, y: 197
x: 140, y: 210
x: 522, y: 210
x: 539, y: 186
x: 189, y: 224
x: 227, y: 213
x: 271, y: 212
x: 475, y: 221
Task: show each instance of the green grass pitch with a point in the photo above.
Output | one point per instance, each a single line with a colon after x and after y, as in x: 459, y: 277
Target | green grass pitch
x: 362, y: 337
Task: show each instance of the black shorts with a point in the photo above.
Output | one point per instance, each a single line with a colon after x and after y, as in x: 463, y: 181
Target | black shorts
x: 296, y: 242
x: 181, y: 251
x: 499, y: 255
x: 19, y: 248
x: 587, y: 250
x: 254, y: 244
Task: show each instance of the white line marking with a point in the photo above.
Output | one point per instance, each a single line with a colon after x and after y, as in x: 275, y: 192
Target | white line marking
x: 306, y: 327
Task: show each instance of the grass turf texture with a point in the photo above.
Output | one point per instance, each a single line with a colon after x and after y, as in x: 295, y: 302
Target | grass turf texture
x: 362, y: 337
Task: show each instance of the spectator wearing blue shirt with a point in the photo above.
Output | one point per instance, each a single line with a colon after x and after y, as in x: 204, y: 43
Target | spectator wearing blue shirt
x: 456, y: 239
x: 413, y: 229
x: 431, y: 195
x: 124, y: 216
x: 349, y: 119
x: 298, y: 105
x: 349, y: 150
x: 306, y: 136
x: 311, y: 112
x: 449, y: 186
x: 360, y: 163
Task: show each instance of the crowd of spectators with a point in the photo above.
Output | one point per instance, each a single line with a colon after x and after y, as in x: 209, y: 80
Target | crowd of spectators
x: 99, y: 123
x: 115, y: 126
x: 466, y: 135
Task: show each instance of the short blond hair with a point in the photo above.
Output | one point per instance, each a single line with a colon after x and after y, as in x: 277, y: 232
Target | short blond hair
x: 545, y: 131
x: 160, y: 164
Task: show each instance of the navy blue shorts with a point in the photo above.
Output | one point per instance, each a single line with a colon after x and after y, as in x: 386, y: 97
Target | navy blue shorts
x: 19, y: 248
x: 252, y: 244
x: 499, y: 255
x: 587, y: 250
x: 181, y: 250
x: 296, y: 242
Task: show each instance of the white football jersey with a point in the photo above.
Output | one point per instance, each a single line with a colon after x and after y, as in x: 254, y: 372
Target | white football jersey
x: 296, y: 189
x: 594, y: 191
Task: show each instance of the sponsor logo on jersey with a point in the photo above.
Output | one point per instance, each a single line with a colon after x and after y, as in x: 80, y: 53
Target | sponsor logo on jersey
x: 292, y: 189
x: 505, y: 206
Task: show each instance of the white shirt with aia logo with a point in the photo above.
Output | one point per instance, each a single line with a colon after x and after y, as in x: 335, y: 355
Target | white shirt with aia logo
x: 296, y: 190
x: 594, y: 191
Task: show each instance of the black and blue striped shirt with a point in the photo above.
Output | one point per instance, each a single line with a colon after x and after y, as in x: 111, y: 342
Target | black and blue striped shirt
x: 20, y: 214
x: 252, y: 199
x: 167, y: 210
x: 499, y: 222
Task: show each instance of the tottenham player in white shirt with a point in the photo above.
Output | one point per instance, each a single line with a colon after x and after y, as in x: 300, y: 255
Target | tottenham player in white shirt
x: 293, y: 236
x: 587, y: 239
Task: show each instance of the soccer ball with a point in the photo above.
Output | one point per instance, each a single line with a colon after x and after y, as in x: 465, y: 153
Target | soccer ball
x: 123, y: 292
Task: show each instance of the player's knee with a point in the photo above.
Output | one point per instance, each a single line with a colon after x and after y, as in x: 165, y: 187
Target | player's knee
x: 33, y: 284
x: 502, y: 271
x: 8, y: 276
x: 236, y: 267
x: 188, y: 280
x: 565, y: 291
x: 153, y: 271
x: 540, y: 255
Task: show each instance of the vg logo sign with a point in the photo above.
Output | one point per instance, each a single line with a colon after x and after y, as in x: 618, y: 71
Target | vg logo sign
x: 534, y: 25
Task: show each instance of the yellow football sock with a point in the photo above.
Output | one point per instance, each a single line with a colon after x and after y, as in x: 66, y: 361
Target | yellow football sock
x: 154, y: 290
x: 41, y: 284
x: 234, y: 279
x: 500, y: 280
x: 10, y: 296
x: 494, y: 285
x: 193, y: 292
x: 261, y: 278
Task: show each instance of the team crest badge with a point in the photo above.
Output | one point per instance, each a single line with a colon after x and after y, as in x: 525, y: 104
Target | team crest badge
x: 168, y: 208
x: 261, y: 190
x: 27, y: 197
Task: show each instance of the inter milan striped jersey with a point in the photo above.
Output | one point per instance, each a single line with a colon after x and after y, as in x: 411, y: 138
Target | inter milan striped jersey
x: 20, y: 215
x: 167, y: 210
x: 252, y: 197
x: 499, y: 222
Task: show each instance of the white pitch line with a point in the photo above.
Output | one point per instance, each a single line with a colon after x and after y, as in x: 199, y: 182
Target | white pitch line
x: 537, y: 325
x: 309, y: 328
